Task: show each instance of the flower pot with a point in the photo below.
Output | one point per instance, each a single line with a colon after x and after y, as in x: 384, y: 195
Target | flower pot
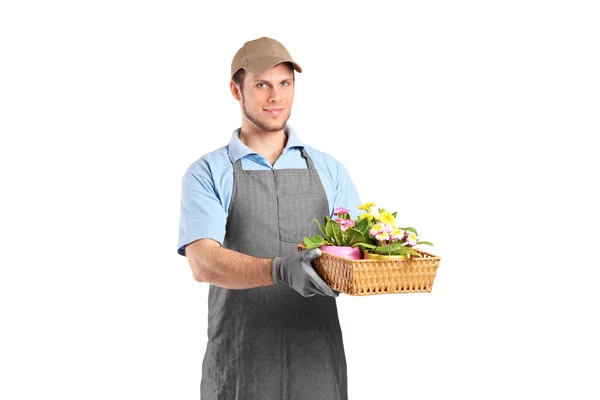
x: 372, y: 256
x: 352, y: 253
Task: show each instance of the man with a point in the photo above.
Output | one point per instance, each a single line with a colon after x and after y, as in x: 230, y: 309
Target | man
x: 273, y: 328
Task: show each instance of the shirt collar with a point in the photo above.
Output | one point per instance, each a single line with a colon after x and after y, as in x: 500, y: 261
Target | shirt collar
x: 237, y: 149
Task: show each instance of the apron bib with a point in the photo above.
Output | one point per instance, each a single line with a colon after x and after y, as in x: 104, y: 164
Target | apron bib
x: 271, y: 343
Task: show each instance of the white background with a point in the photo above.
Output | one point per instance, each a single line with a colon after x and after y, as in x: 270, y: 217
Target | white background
x: 474, y: 120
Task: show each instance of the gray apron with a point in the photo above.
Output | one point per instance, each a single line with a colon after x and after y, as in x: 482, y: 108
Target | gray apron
x: 270, y: 343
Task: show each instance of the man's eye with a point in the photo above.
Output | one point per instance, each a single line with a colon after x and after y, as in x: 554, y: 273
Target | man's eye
x: 285, y: 83
x: 262, y: 85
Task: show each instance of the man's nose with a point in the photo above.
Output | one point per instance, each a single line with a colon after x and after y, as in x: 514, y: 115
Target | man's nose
x: 275, y: 95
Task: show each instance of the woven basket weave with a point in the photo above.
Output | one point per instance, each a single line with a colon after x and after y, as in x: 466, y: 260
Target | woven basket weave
x: 368, y: 277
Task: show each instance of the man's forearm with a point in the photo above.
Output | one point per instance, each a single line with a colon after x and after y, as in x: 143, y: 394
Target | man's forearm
x: 229, y: 269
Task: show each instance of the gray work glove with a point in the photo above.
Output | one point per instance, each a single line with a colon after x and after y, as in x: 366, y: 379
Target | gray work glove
x: 297, y: 272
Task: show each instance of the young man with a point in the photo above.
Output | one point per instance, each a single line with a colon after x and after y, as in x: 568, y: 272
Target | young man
x: 273, y: 328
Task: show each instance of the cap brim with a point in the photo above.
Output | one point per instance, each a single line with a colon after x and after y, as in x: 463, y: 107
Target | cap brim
x: 264, y: 64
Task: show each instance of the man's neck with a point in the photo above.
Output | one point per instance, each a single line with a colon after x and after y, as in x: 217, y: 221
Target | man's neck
x: 269, y: 144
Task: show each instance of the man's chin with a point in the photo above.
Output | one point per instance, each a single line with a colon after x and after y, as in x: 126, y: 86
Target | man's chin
x: 267, y: 125
x: 276, y: 128
x: 273, y: 127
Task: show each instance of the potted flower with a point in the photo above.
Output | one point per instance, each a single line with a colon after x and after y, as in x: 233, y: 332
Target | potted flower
x: 340, y: 235
x: 393, y: 263
x: 384, y: 239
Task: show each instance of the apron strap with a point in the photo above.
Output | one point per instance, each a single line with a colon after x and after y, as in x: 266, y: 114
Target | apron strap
x: 237, y: 166
x: 309, y: 161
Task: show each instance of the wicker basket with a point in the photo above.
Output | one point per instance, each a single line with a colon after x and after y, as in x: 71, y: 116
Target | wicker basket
x: 367, y: 277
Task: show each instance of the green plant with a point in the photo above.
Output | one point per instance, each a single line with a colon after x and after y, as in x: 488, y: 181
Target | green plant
x: 382, y: 236
x: 340, y: 231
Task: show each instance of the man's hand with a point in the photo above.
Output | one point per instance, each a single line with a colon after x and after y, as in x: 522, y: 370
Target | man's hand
x: 297, y: 272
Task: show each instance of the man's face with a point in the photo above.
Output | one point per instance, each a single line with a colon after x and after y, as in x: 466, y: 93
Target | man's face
x: 267, y: 98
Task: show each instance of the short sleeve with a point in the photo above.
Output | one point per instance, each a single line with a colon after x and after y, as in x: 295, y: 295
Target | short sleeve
x: 203, y: 215
x: 346, y: 194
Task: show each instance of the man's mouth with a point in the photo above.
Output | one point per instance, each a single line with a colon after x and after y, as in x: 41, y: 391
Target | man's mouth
x: 274, y: 111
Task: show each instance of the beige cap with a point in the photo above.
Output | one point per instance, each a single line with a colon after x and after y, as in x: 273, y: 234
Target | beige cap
x: 259, y: 55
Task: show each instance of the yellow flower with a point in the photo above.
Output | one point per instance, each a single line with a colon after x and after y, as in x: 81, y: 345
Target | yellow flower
x: 386, y: 217
x: 366, y: 206
x: 366, y: 215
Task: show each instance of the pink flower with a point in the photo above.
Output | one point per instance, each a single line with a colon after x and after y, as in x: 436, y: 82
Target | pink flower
x: 411, y: 239
x: 344, y: 223
x: 382, y: 236
x: 376, y: 229
x: 397, y: 234
x: 340, y: 211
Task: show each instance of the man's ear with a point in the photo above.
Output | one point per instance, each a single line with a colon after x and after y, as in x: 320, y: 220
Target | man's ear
x: 235, y: 90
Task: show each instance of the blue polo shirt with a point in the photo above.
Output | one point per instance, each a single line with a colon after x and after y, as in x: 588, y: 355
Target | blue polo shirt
x: 207, y: 185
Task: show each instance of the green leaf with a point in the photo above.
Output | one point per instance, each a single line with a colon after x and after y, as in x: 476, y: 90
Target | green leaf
x: 395, y: 214
x: 412, y: 252
x: 329, y: 230
x: 407, y: 250
x: 396, y: 249
x: 313, y: 242
x: 365, y: 245
x: 321, y: 227
x: 362, y: 225
x: 337, y: 234
x: 424, y: 242
x: 396, y: 246
x: 387, y: 250
x: 413, y: 230
x: 354, y: 236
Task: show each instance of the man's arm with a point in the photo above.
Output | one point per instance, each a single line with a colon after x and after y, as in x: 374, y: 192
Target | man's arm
x: 226, y: 268
x: 232, y: 270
